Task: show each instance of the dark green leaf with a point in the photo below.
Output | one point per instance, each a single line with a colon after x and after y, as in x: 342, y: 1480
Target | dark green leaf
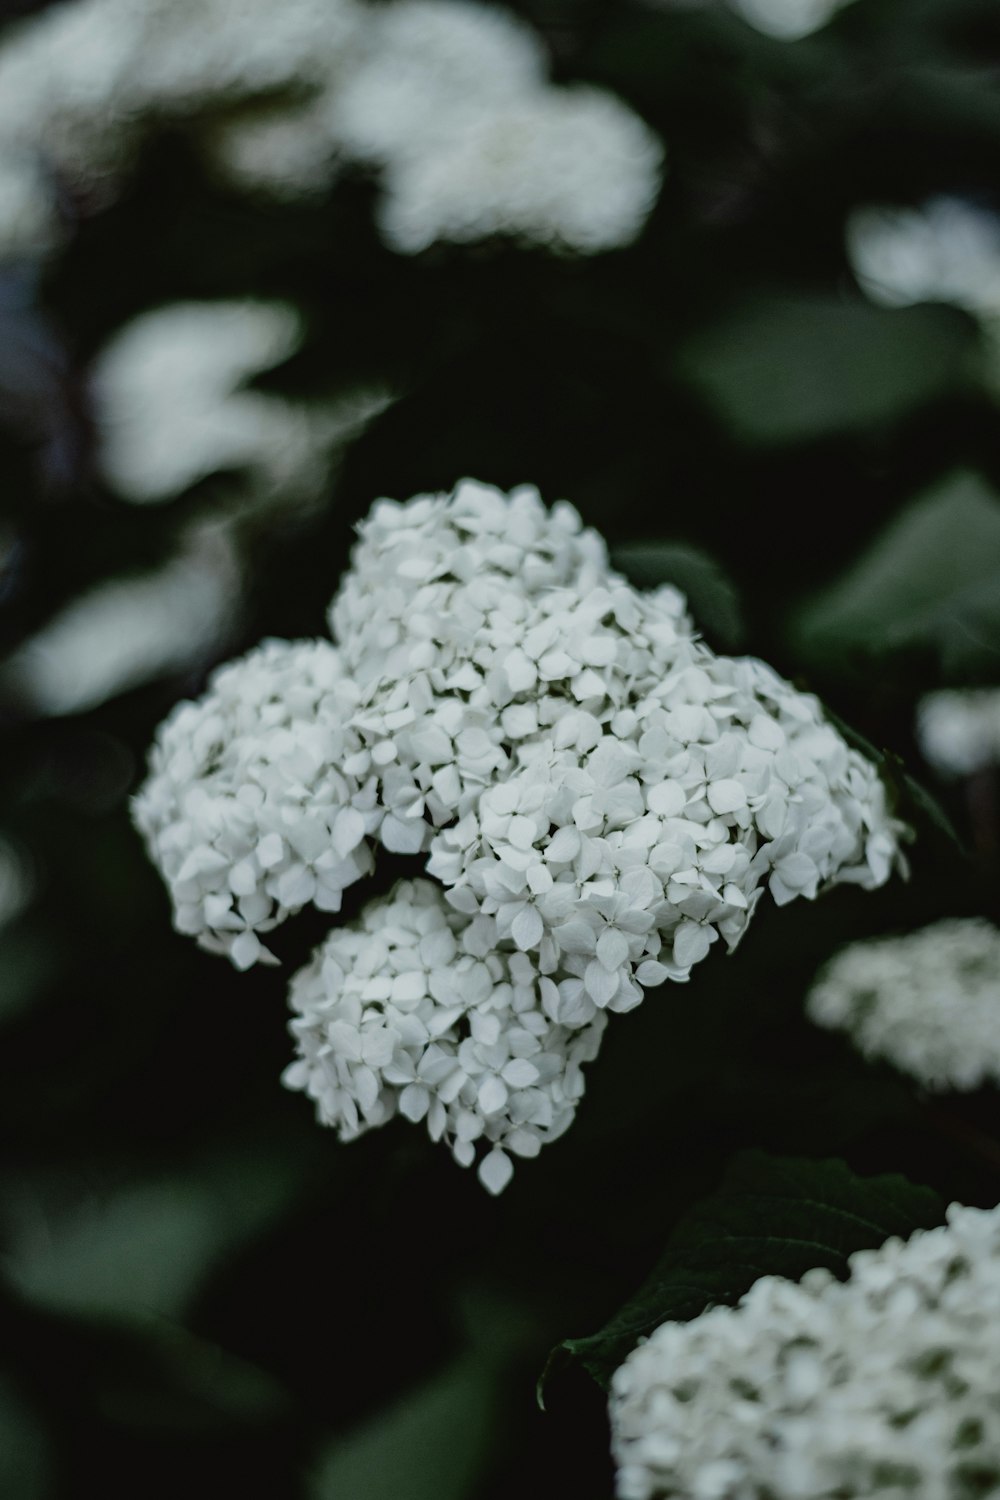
x: 710, y: 591
x: 788, y: 370
x: 772, y: 1216
x: 931, y: 578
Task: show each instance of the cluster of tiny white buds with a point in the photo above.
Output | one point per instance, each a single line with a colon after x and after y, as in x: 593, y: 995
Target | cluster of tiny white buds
x: 413, y: 1009
x: 599, y: 795
x: 928, y: 1002
x: 871, y: 1389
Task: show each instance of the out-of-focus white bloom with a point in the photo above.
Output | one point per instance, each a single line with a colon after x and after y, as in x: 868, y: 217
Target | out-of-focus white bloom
x: 29, y: 223
x: 929, y: 1002
x: 425, y: 68
x: 414, y: 1009
x: 945, y: 251
x: 131, y: 630
x: 876, y: 1388
x: 570, y: 168
x: 958, y: 729
x: 280, y: 96
x: 172, y: 408
x: 788, y: 19
x: 284, y: 151
x: 594, y: 788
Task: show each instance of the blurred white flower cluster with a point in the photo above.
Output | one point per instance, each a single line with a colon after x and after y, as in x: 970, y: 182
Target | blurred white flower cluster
x: 171, y: 405
x: 876, y: 1388
x: 929, y: 1002
x: 171, y: 408
x: 598, y: 794
x: 946, y: 250
x: 447, y: 99
x: 133, y: 629
x: 787, y: 20
x: 958, y: 729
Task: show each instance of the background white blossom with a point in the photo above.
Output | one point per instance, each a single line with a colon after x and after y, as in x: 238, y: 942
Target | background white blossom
x: 133, y: 629
x: 881, y: 1386
x: 958, y: 729
x: 928, y: 1002
x: 449, y: 99
x: 172, y: 406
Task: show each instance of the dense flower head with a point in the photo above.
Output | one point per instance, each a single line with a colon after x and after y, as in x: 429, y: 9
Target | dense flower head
x: 450, y: 101
x: 249, y: 810
x: 958, y: 729
x: 929, y: 1002
x: 599, y: 796
x: 879, y: 1387
x: 416, y: 1010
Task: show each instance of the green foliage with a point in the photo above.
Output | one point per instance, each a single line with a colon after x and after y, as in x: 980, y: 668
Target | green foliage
x: 793, y: 369
x: 771, y: 1216
x: 25, y: 1467
x: 431, y: 1445
x: 931, y: 578
x: 143, y: 1248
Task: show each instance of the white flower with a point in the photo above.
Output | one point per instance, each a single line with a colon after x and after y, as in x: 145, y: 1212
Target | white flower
x: 449, y: 99
x: 945, y: 251
x: 571, y: 168
x: 788, y: 20
x: 958, y: 729
x: 249, y: 811
x: 929, y: 1002
x: 598, y: 794
x: 172, y: 407
x: 131, y: 630
x: 29, y: 222
x: 413, y: 1009
x: 876, y: 1388
x: 425, y: 68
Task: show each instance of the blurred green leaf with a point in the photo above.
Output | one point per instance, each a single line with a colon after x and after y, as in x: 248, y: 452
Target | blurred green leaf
x: 24, y: 1451
x: 772, y: 1216
x: 711, y: 593
x: 430, y: 1446
x: 165, y: 1379
x: 145, y: 1247
x: 931, y: 578
x: 141, y: 1250
x: 788, y: 370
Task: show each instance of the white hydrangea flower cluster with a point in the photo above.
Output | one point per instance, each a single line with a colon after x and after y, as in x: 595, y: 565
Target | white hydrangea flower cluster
x: 449, y: 100
x: 880, y: 1387
x: 958, y: 730
x: 171, y: 405
x: 599, y: 795
x: 416, y: 1010
x: 929, y: 1002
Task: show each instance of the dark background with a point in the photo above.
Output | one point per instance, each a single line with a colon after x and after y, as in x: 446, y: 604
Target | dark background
x: 203, y: 1289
